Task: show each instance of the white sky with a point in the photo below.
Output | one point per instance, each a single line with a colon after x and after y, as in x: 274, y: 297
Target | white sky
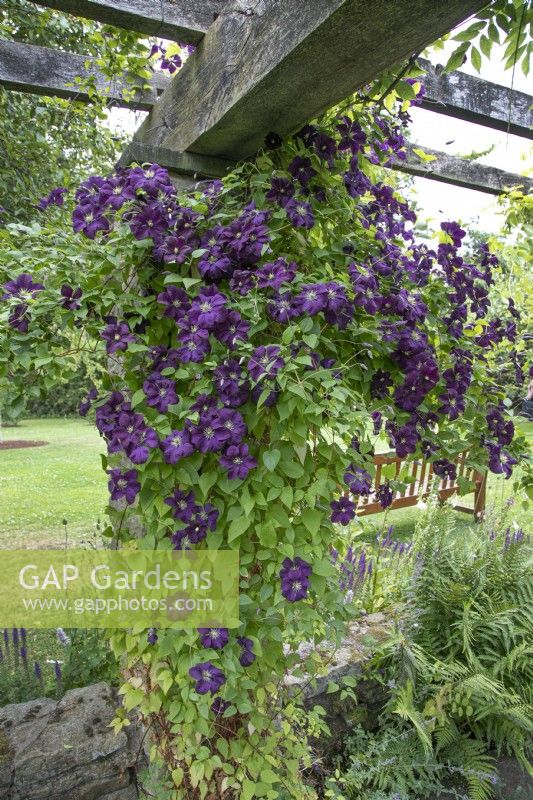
x: 439, y: 201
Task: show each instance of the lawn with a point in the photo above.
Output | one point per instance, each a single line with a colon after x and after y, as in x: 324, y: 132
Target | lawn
x: 42, y: 486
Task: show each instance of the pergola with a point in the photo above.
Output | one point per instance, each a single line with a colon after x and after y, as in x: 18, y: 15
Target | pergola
x: 272, y: 65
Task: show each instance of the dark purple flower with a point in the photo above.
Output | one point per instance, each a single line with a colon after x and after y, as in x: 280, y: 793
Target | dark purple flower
x: 150, y: 220
x: 247, y: 655
x: 242, y: 281
x: 299, y: 213
x: 215, y: 638
x: 138, y: 450
x: 325, y: 147
x: 237, y: 461
x: 381, y: 382
x: 88, y: 219
x: 208, y: 308
x: 273, y: 141
x: 445, y: 469
x: 233, y: 424
x: 70, y: 297
x: 342, y: 510
x: 54, y: 198
x: 275, y: 273
x: 231, y: 329
x: 453, y: 230
x: 123, y: 484
x: 265, y: 361
x: 281, y: 190
x: 377, y: 420
x: 384, y: 495
x: 38, y: 671
x: 230, y: 381
x: 219, y: 706
x: 208, y: 677
x: 313, y: 298
x: 358, y: 480
x: 152, y: 636
x: 117, y: 336
x: 22, y: 287
x: 282, y: 307
x: 160, y: 392
x: 453, y: 403
x: 203, y: 403
x: 301, y: 169
x: 353, y: 136
x: 209, y: 434
x: 175, y: 300
x: 295, y: 576
x: 500, y: 461
x: 19, y: 318
x: 183, y: 505
x: 176, y: 446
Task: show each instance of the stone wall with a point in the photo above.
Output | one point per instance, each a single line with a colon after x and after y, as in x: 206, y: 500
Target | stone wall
x: 65, y: 750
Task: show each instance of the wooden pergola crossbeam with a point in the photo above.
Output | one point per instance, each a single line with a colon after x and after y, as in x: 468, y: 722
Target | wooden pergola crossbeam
x: 45, y: 71
x: 458, y: 171
x: 268, y: 65
x: 472, y: 99
x: 444, y: 168
x: 184, y: 21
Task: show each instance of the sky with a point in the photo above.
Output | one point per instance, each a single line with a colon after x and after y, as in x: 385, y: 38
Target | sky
x: 438, y: 201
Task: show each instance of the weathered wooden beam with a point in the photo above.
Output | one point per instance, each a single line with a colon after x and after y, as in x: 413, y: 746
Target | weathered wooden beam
x: 271, y: 65
x: 460, y: 172
x: 475, y: 100
x: 445, y: 168
x: 42, y: 70
x: 183, y: 21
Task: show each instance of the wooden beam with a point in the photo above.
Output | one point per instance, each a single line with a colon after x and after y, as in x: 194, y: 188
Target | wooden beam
x: 183, y: 21
x: 445, y: 168
x: 271, y: 65
x: 460, y: 172
x: 42, y: 70
x: 475, y: 100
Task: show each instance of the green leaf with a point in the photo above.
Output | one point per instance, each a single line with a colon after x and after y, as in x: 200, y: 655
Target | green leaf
x: 238, y: 527
x: 476, y: 58
x: 271, y: 459
x: 311, y: 518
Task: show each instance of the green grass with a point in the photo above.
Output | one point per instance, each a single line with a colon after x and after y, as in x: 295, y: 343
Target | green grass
x: 41, y: 486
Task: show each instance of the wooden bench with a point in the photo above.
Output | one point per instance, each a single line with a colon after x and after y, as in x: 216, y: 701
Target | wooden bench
x: 422, y: 476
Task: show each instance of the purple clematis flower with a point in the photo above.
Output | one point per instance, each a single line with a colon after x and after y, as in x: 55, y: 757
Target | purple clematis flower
x: 70, y: 297
x: 445, y: 469
x: 176, y: 446
x: 265, y: 360
x: 88, y: 219
x: 384, y: 495
x: 299, y: 213
x: 282, y: 307
x: 295, y: 579
x: 117, y: 335
x: 215, y: 638
x: 22, y: 287
x: 237, y: 461
x: 342, y: 510
x: 209, y: 435
x: 273, y: 274
x: 247, y: 655
x: 176, y: 302
x: 160, y: 392
x: 208, y: 677
x: 280, y: 192
x: 123, y: 484
x: 183, y: 505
